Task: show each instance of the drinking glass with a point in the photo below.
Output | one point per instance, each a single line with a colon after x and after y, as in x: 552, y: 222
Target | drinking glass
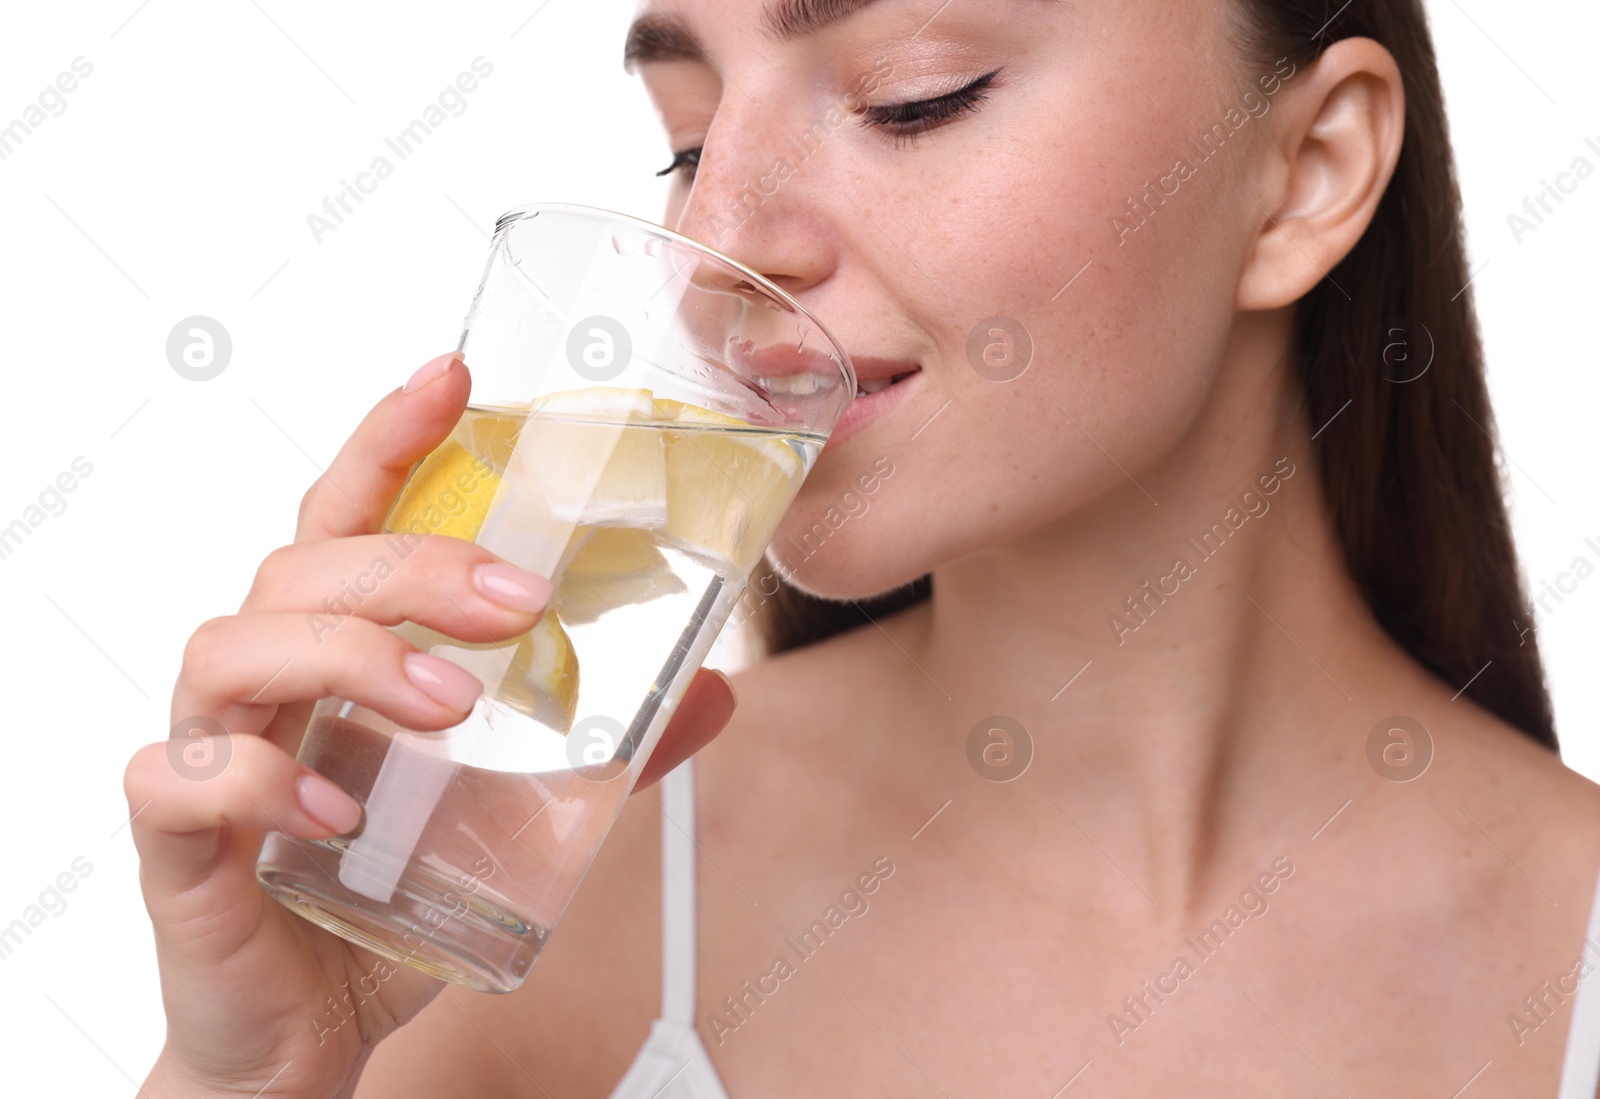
x: 643, y: 411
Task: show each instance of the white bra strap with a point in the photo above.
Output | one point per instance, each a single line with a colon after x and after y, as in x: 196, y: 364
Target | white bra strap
x: 677, y: 894
x: 1580, y: 1071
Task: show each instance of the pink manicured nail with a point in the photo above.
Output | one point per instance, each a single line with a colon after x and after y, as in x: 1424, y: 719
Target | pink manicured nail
x: 433, y: 368
x: 326, y: 803
x: 444, y: 682
x: 512, y: 587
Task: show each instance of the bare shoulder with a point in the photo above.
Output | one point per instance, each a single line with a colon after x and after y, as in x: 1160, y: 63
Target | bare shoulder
x: 1488, y: 864
x: 1525, y: 791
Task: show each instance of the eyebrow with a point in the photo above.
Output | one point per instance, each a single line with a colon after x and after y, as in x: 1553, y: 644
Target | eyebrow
x: 665, y: 38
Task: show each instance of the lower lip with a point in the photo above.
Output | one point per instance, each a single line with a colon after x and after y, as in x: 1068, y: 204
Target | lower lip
x: 863, y: 410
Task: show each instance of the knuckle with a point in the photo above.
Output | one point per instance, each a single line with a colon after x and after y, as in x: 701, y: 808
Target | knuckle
x: 435, y: 552
x: 270, y: 573
x: 140, y: 778
x: 355, y: 644
x: 200, y: 653
x: 308, y: 502
x: 434, y: 564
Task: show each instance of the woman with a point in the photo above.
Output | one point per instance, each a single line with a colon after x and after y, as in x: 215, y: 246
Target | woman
x: 1169, y: 691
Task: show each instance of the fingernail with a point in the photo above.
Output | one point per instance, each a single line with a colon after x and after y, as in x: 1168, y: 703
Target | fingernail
x: 729, y: 682
x: 433, y: 368
x: 512, y: 587
x: 325, y: 803
x: 444, y: 682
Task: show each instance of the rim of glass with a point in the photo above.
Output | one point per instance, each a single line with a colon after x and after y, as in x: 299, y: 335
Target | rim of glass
x: 756, y: 278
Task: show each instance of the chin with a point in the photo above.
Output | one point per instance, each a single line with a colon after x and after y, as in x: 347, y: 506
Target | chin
x: 845, y: 565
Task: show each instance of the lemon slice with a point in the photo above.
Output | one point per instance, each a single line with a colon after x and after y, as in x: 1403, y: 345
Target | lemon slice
x: 612, y: 567
x: 597, y: 457
x: 451, y: 492
x: 544, y: 674
x: 535, y: 674
x: 729, y: 484
x: 448, y: 493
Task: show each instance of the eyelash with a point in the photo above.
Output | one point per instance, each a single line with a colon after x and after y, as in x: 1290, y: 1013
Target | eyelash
x: 905, y: 121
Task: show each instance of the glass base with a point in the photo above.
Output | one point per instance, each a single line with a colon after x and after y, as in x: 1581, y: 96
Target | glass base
x: 428, y: 924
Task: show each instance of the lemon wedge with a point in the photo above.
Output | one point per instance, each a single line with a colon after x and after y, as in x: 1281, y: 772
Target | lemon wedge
x: 612, y: 567
x: 544, y: 671
x: 730, y: 484
x: 597, y: 458
x: 535, y: 674
x: 450, y: 492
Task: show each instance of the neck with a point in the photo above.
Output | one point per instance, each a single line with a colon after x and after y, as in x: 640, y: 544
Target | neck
x: 1182, y: 651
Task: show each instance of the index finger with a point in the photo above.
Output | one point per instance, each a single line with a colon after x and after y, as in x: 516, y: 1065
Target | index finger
x: 354, y: 495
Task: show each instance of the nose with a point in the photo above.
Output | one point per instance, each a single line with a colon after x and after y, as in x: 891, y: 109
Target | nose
x: 756, y: 196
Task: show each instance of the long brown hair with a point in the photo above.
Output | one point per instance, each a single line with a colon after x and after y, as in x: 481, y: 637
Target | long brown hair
x: 1409, y: 466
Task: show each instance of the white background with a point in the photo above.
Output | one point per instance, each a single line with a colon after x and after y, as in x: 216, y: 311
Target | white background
x: 178, y: 182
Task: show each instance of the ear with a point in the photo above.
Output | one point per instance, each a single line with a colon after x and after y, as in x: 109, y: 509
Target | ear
x: 1326, y: 165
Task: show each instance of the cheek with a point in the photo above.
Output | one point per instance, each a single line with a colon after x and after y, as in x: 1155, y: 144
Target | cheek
x: 1122, y: 363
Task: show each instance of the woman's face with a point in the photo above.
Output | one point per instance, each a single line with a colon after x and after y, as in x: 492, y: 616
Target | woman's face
x: 1012, y: 201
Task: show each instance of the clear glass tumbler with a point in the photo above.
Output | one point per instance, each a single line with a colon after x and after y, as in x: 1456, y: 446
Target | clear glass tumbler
x: 643, y: 412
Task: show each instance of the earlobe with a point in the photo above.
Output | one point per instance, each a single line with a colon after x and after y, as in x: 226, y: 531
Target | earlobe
x: 1323, y: 176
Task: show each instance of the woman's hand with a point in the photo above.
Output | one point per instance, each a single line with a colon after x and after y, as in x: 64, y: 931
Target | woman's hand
x: 260, y: 1002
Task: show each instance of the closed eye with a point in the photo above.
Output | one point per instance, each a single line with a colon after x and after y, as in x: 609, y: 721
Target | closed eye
x: 906, y: 120
x: 903, y: 120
